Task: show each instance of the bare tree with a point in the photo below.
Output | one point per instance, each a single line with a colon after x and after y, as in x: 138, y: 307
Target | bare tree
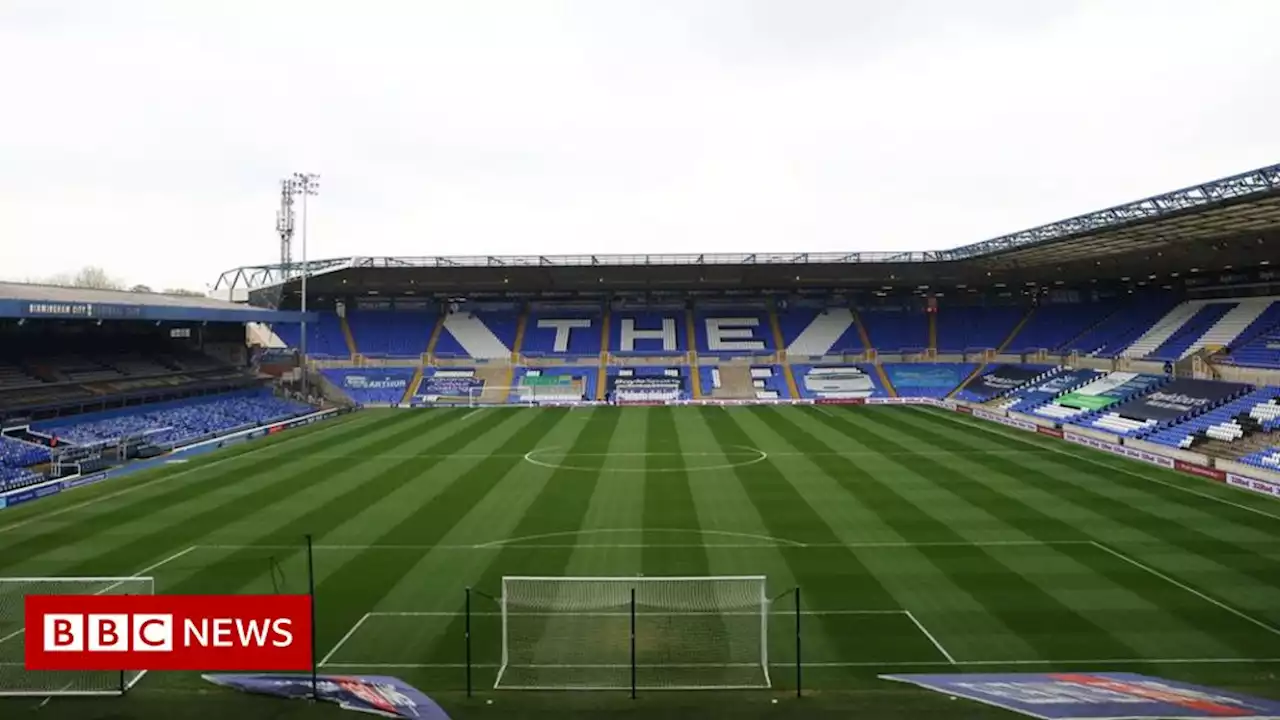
x: 95, y: 278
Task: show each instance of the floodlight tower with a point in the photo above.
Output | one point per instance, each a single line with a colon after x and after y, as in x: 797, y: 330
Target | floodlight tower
x: 284, y: 228
x: 306, y: 185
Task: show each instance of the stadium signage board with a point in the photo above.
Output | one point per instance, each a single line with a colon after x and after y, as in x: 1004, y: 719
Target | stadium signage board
x: 1096, y: 696
x: 1001, y: 380
x: 1180, y: 398
x: 1200, y: 470
x: 1142, y: 455
x: 167, y: 632
x: 1259, y: 486
x: 375, y: 694
x: 1010, y: 422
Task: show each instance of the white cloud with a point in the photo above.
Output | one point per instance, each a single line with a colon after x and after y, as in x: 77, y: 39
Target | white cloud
x: 148, y: 137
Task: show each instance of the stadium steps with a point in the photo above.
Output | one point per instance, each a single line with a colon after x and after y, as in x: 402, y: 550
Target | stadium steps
x: 787, y: 374
x: 497, y: 383
x: 1231, y: 325
x: 348, y: 337
x: 435, y: 337
x: 735, y: 383
x: 1016, y: 329
x: 1162, y: 330
x: 691, y: 337
x: 412, y: 388
x: 603, y: 375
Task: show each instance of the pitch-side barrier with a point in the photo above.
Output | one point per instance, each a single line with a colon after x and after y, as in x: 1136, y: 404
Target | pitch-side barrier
x: 60, y: 485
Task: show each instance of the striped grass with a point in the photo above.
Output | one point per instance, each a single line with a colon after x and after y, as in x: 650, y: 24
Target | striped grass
x: 922, y: 541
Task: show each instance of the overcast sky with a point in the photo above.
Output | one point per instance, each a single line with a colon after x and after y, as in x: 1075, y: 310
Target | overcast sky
x: 149, y: 137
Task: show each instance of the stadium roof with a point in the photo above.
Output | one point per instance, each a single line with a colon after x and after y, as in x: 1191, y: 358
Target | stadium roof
x: 1191, y: 225
x: 21, y: 300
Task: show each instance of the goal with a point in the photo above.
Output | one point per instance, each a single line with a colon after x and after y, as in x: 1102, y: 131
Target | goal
x: 15, y: 679
x: 598, y: 633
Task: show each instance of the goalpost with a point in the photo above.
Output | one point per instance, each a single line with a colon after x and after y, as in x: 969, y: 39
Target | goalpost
x: 611, y: 633
x: 15, y: 679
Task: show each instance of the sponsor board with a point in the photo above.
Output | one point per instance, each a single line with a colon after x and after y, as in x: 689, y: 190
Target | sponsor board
x: 1259, y: 486
x: 167, y: 632
x: 1142, y: 455
x: 375, y: 694
x: 364, y: 382
x: 1200, y: 470
x: 840, y: 401
x: 964, y: 410
x: 1011, y: 422
x: 1051, y: 432
x: 84, y: 480
x: 1096, y: 696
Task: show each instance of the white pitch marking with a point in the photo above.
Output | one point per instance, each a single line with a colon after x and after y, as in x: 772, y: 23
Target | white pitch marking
x: 345, y: 638
x: 1143, y: 566
x: 743, y: 613
x: 118, y: 582
x: 574, y: 533
x: 159, y: 480
x: 932, y: 639
x: 499, y: 544
x: 1126, y: 471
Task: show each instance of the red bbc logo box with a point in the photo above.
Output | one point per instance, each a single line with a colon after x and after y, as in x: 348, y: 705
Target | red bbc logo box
x: 168, y: 632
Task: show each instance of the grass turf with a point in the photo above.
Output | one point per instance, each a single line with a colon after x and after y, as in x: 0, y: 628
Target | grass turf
x: 923, y: 541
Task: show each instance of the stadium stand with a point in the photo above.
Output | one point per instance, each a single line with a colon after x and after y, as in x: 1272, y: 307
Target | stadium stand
x: 1268, y: 459
x: 480, y: 334
x: 895, y: 329
x: 554, y: 384
x: 324, y: 338
x: 451, y: 385
x: 1101, y: 393
x: 935, y: 380
x: 567, y: 332
x: 1226, y: 422
x: 648, y: 333
x: 394, y: 334
x: 1174, y: 402
x: 16, y: 461
x: 1002, y: 380
x: 1195, y: 327
x: 808, y: 332
x: 1258, y: 345
x: 648, y: 384
x: 1121, y: 328
x: 976, y: 328
x: 1029, y: 397
x: 173, y: 423
x: 371, y: 386
x: 732, y: 332
x: 1054, y: 326
x: 837, y: 382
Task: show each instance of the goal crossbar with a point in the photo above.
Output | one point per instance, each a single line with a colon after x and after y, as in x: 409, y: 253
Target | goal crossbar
x: 615, y: 632
x: 15, y: 679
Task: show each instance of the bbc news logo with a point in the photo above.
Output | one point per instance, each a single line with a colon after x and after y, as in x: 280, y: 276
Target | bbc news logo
x: 168, y: 632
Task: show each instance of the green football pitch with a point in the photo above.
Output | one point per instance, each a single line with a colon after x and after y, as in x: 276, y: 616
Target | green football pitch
x: 921, y: 540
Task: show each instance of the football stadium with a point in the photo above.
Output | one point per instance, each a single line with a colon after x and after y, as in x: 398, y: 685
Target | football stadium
x: 745, y: 485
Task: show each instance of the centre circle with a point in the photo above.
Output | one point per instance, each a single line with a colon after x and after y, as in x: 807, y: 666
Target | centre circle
x: 753, y: 456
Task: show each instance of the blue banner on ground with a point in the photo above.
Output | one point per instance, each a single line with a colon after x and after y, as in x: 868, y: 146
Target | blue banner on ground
x: 377, y: 694
x: 1093, y: 696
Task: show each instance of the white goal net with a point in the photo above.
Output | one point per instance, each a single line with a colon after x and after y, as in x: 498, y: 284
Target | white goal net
x: 690, y: 633
x: 15, y: 679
